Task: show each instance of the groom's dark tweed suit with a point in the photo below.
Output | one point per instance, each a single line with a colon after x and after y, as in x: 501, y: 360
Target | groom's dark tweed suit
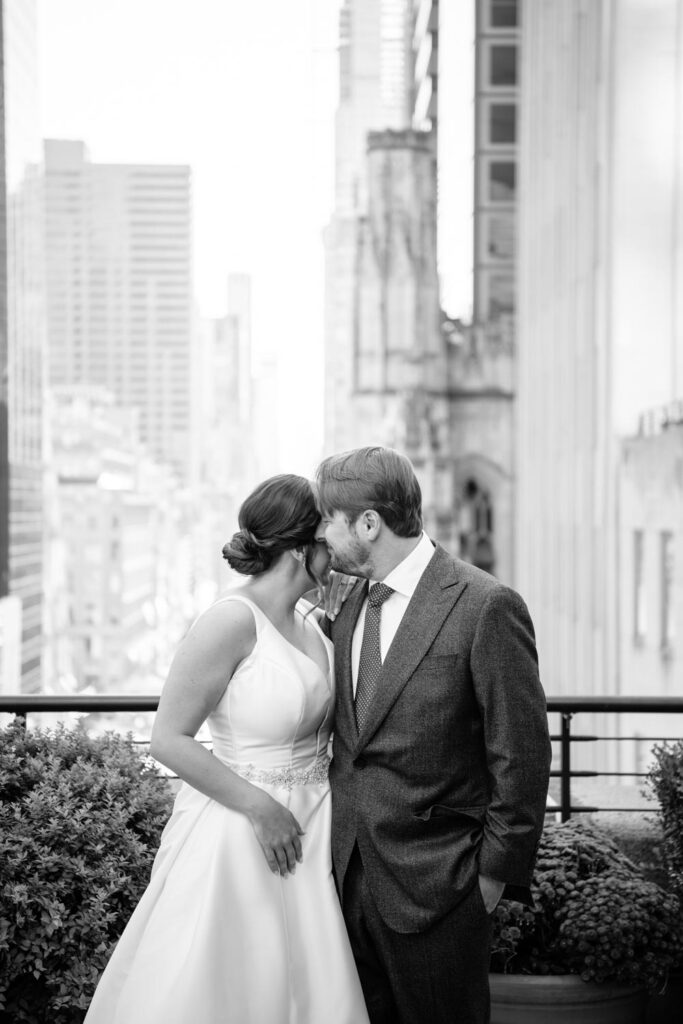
x: 447, y: 779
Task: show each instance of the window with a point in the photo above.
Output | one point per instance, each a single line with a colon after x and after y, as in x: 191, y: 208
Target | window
x: 502, y: 123
x: 501, y: 237
x: 503, y: 66
x: 475, y: 526
x: 502, y: 181
x: 501, y: 295
x: 503, y: 13
x: 639, y: 606
x: 667, y: 580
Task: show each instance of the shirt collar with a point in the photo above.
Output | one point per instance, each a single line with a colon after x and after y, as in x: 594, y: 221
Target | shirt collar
x: 404, y: 577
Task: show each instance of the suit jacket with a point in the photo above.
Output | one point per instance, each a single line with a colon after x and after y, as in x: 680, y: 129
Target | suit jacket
x: 449, y: 775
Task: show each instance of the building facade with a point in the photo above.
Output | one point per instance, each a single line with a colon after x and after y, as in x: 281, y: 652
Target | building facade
x: 600, y: 306
x: 375, y: 55
x: 650, y: 586
x: 118, y: 548
x: 22, y: 352
x: 119, y: 283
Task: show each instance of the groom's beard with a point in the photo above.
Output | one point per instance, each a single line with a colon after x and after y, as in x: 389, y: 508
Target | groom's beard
x: 356, y: 560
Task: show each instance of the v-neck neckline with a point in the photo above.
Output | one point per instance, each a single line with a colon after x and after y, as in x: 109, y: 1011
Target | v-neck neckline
x: 289, y: 643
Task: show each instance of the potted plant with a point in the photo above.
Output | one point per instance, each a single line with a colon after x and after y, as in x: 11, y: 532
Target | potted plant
x: 598, y: 939
x: 665, y: 784
x: 80, y: 821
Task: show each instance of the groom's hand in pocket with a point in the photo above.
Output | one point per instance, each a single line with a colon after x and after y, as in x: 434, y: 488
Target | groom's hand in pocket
x: 491, y: 892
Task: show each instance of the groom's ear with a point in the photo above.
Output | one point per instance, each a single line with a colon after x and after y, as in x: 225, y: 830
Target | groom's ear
x: 369, y: 524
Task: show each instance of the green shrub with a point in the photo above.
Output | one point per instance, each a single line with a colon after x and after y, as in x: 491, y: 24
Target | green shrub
x: 594, y: 915
x: 80, y: 821
x: 666, y: 781
x: 640, y: 837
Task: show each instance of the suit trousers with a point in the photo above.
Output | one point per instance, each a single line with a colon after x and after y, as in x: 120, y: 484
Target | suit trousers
x: 437, y: 976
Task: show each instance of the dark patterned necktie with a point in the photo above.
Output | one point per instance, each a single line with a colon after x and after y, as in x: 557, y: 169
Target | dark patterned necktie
x: 370, y: 662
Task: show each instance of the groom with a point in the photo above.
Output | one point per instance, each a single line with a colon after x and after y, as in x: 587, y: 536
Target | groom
x: 441, y: 748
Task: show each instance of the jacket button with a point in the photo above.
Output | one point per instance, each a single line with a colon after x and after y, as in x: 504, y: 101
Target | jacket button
x: 360, y: 762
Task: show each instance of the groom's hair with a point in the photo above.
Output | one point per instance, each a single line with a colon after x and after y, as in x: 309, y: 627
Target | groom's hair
x: 372, y: 478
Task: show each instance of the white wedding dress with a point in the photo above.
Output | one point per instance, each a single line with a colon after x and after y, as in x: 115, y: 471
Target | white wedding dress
x: 217, y: 938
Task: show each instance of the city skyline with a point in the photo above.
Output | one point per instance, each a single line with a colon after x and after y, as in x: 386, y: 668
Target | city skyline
x: 246, y: 98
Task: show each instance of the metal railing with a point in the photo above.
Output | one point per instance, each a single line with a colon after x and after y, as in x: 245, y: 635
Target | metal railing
x: 569, y: 707
x: 22, y: 705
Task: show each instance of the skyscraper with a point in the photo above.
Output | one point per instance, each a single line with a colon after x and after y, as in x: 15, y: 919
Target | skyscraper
x: 119, y: 279
x: 374, y: 94
x: 22, y: 352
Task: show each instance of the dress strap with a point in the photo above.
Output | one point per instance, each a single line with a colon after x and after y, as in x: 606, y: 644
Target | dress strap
x: 260, y: 617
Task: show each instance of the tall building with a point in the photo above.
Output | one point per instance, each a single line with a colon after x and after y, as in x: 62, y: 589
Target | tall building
x: 239, y: 313
x: 399, y: 384
x: 441, y: 381
x: 22, y: 352
x: 495, y: 162
x: 466, y: 91
x: 116, y: 523
x: 600, y: 258
x: 375, y: 53
x: 119, y: 281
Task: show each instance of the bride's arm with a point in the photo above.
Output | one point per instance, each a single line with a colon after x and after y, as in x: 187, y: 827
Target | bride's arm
x: 204, y: 663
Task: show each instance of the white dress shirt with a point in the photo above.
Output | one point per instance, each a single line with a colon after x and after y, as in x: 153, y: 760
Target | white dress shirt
x: 403, y: 580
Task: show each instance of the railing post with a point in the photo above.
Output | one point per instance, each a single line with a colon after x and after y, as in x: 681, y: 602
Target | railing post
x: 565, y: 766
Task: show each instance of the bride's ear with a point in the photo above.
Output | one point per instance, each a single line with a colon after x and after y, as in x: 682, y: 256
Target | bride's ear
x: 300, y: 555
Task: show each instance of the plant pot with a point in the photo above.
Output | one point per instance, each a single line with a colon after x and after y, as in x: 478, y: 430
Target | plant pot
x: 665, y: 1007
x: 563, y: 999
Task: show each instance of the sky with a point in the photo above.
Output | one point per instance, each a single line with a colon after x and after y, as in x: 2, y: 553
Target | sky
x: 244, y: 93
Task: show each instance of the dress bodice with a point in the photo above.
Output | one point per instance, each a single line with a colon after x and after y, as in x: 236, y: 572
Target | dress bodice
x: 276, y: 712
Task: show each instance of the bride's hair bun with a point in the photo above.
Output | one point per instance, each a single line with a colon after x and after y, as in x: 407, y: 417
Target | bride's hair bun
x: 280, y: 515
x: 245, y: 554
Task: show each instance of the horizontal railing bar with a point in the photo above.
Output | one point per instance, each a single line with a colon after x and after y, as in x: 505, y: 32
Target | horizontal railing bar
x: 625, y: 810
x: 557, y: 773
x: 644, y: 739
x: 616, y: 704
x: 23, y: 703
x: 574, y: 773
x: 118, y: 702
x: 574, y: 739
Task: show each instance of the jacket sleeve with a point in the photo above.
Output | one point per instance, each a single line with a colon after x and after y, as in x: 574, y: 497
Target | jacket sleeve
x: 504, y: 667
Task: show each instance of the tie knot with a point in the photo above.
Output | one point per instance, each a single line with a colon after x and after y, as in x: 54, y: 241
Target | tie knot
x: 378, y: 594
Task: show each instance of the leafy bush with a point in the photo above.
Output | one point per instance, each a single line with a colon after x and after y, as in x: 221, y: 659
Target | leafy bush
x: 594, y: 915
x: 641, y: 838
x: 666, y: 780
x: 80, y: 821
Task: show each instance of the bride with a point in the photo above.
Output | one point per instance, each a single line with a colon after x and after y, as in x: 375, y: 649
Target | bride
x: 240, y: 923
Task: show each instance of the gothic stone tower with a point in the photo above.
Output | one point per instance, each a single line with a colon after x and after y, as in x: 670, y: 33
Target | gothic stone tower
x: 400, y: 379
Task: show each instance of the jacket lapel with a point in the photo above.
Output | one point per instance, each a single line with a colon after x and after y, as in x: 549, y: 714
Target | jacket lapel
x: 343, y: 637
x: 434, y: 597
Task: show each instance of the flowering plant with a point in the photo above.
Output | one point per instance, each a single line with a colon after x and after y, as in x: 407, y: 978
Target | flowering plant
x: 594, y: 915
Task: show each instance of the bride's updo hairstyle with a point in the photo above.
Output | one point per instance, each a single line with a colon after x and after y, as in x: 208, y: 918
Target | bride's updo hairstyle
x: 279, y: 515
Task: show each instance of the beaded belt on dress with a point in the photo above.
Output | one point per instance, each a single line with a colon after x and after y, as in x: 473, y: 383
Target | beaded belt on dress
x: 288, y: 777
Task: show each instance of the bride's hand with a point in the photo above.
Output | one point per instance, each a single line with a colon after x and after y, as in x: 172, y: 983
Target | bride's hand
x: 337, y: 589
x: 278, y: 832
